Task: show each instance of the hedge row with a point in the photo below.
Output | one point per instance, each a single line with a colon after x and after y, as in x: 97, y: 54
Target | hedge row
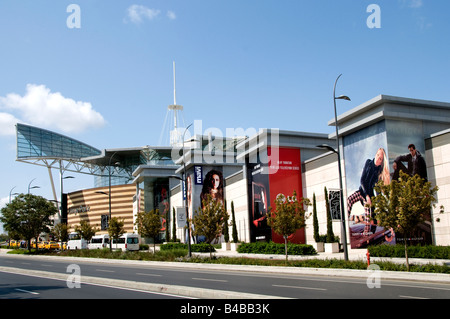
x: 274, y: 248
x: 197, y: 248
x: 430, y: 252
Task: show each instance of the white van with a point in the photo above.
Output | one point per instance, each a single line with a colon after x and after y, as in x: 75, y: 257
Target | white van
x: 126, y: 242
x: 99, y: 242
x: 76, y: 242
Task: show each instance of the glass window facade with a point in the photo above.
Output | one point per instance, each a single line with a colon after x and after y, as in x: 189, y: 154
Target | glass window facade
x: 34, y: 142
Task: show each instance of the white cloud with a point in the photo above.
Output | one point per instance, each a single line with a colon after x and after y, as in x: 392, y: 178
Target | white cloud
x: 137, y: 13
x: 171, y: 15
x: 7, y: 122
x: 415, y: 4
x: 39, y: 106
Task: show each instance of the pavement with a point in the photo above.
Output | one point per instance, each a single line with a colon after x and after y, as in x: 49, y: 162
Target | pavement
x: 211, y: 294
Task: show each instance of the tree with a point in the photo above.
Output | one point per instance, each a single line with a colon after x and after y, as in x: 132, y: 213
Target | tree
x: 226, y: 233
x: 234, y: 232
x: 167, y: 225
x: 27, y: 216
x: 209, y: 220
x: 115, y: 230
x: 315, y: 221
x: 330, y: 233
x: 404, y: 204
x: 174, y: 225
x: 288, y: 217
x: 61, y: 232
x: 85, y: 230
x: 149, y: 225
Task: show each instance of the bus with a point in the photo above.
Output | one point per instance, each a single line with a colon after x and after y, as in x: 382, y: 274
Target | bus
x: 126, y: 242
x: 99, y: 242
x: 76, y: 242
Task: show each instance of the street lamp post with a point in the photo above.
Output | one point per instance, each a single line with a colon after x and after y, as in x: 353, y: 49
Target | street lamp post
x: 11, y: 193
x: 29, y: 186
x: 109, y: 197
x: 185, y: 197
x: 343, y: 230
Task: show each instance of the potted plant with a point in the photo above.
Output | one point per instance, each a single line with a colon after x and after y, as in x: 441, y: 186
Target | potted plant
x: 226, y: 235
x: 331, y: 245
x: 318, y: 244
x: 235, y: 244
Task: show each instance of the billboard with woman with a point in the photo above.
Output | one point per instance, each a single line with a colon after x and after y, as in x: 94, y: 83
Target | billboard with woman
x: 366, y: 162
x: 371, y: 155
x: 203, y: 181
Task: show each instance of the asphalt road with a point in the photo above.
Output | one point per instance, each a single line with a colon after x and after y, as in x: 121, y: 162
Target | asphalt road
x: 15, y: 286
x: 203, y: 282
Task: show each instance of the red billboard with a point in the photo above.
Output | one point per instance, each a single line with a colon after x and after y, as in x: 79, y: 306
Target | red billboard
x: 282, y: 175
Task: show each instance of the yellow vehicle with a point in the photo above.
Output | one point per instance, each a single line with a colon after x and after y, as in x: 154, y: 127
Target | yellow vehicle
x: 42, y: 244
x: 14, y: 243
x: 51, y: 245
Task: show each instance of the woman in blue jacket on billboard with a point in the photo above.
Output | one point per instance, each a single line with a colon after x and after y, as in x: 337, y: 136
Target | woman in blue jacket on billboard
x: 374, y: 170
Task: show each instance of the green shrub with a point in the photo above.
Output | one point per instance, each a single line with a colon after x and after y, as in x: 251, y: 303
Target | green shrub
x: 274, y: 248
x: 398, y: 251
x: 198, y: 248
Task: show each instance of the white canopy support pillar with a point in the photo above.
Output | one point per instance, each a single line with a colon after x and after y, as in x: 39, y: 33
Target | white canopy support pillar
x: 54, y: 191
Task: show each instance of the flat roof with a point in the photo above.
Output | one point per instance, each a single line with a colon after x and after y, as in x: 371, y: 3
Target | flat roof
x: 382, y: 98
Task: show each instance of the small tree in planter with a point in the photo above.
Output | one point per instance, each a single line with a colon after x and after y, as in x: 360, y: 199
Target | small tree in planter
x: 174, y: 225
x: 331, y: 240
x: 226, y: 233
x: 288, y: 217
x: 149, y: 225
x: 404, y: 204
x: 115, y: 230
x: 167, y: 225
x: 234, y: 231
x: 209, y: 220
x: 317, y: 238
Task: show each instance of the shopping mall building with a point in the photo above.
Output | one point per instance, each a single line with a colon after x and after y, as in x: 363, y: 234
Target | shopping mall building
x: 249, y: 169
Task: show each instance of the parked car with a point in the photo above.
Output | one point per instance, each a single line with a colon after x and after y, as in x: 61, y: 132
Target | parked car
x: 14, y: 243
x: 51, y: 245
x: 42, y: 244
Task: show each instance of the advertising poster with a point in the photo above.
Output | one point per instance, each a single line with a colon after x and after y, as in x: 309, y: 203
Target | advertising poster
x: 281, y: 176
x: 285, y: 177
x: 201, y: 182
x: 411, y: 160
x: 373, y: 154
x: 366, y: 162
x: 259, y: 199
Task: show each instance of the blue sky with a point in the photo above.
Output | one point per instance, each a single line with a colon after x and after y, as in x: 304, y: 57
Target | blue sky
x: 239, y: 63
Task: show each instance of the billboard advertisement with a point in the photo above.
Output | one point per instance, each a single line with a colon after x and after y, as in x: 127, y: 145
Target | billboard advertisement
x: 202, y: 181
x: 372, y: 154
x: 283, y: 177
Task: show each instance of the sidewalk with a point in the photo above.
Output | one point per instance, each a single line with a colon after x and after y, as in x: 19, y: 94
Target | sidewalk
x: 353, y: 254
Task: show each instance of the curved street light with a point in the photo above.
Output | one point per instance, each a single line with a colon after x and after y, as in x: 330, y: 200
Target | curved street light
x: 185, y: 196
x: 29, y: 186
x: 338, y: 152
